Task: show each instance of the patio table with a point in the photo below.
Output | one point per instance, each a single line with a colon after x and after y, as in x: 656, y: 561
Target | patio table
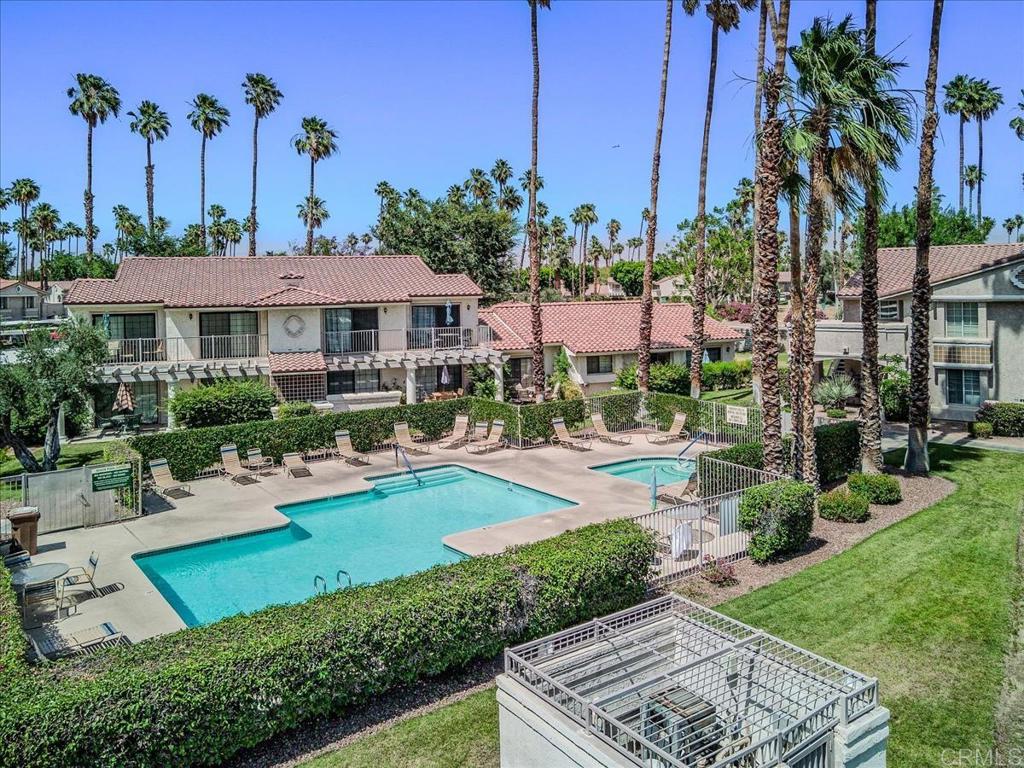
x: 32, y: 575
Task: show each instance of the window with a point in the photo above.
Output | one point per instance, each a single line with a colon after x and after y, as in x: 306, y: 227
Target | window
x: 228, y: 323
x: 661, y: 358
x: 520, y: 370
x: 962, y: 319
x: 138, y: 326
x: 599, y: 364
x: 963, y: 387
x: 890, y: 311
x: 30, y: 302
x: 353, y: 382
x: 711, y: 354
x: 350, y: 330
x: 146, y: 395
x: 3, y: 302
x: 435, y: 315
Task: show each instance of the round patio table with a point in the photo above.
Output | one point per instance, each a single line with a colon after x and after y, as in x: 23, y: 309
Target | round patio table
x: 38, y: 574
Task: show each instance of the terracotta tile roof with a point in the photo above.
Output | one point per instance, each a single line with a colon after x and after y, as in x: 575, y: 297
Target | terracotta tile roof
x: 269, y: 281
x: 297, y: 362
x: 945, y: 262
x: 5, y: 283
x: 598, y: 326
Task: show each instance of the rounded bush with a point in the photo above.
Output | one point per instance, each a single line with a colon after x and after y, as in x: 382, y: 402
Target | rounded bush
x: 836, y: 413
x: 878, y: 489
x: 982, y: 429
x: 1007, y: 419
x: 844, y: 506
x: 295, y: 410
x: 779, y: 517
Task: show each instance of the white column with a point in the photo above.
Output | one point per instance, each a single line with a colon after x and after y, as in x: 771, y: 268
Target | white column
x: 410, y: 386
x: 172, y: 390
x: 61, y: 433
x: 499, y: 381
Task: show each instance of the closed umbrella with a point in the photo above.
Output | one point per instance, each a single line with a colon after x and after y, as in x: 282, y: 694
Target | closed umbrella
x: 448, y: 318
x: 124, y: 401
x: 445, y: 378
x: 654, y: 487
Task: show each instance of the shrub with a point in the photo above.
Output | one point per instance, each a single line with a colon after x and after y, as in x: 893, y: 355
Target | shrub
x: 843, y: 506
x: 836, y: 413
x: 834, y: 391
x: 718, y: 572
x: 894, y: 390
x: 198, y: 696
x: 295, y: 410
x: 675, y: 379
x: 982, y: 429
x: 878, y: 489
x: 224, y: 402
x: 737, y: 311
x: 727, y: 375
x: 837, y: 450
x: 1007, y: 419
x: 779, y: 517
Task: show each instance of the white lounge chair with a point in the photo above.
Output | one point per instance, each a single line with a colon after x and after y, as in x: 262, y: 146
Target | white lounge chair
x: 254, y: 459
x: 605, y: 436
x: 404, y: 439
x: 675, y: 432
x: 82, y: 575
x: 163, y: 481
x: 84, y: 641
x: 563, y: 439
x: 294, y: 466
x: 459, y: 435
x: 492, y: 442
x: 232, y: 465
x: 346, y: 453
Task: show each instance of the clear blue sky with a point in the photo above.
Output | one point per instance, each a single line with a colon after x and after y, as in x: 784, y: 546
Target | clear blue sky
x: 420, y: 92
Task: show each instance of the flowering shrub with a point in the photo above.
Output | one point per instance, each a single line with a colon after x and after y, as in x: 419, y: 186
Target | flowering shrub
x: 718, y: 572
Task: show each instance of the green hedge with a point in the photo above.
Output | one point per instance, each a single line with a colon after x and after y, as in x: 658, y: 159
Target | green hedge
x: 198, y: 696
x: 674, y: 379
x: 223, y: 402
x: 844, y: 506
x: 1007, y: 419
x: 663, y: 407
x: 779, y: 517
x: 878, y: 489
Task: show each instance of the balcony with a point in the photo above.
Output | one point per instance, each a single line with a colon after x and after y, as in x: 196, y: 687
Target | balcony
x: 178, y: 349
x: 961, y: 353
x: 837, y: 340
x: 405, y: 339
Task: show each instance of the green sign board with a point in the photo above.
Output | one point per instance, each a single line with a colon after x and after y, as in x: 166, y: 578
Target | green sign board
x: 112, y: 478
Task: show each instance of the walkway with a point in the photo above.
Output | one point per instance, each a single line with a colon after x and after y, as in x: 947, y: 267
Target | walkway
x: 944, y: 433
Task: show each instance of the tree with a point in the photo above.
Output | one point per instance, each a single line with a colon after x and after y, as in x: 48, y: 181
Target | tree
x: 314, y: 212
x: 959, y: 101
x: 501, y: 171
x: 46, y: 220
x: 972, y: 178
x: 208, y: 117
x: 263, y: 95
x: 725, y: 16
x: 317, y: 141
x: 52, y: 369
x: 898, y: 227
x: 152, y: 124
x: 94, y: 100
x: 651, y: 217
x: 986, y: 100
x: 917, y: 433
x: 24, y: 192
x: 1017, y: 121
x: 503, y: 175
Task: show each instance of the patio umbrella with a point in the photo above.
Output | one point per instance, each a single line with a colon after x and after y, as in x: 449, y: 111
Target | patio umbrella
x: 448, y: 319
x: 124, y: 400
x: 654, y: 487
x: 707, y: 357
x: 105, y: 324
x: 445, y: 378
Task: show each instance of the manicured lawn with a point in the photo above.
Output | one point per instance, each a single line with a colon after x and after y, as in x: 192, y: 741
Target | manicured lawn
x: 923, y: 605
x: 743, y: 396
x: 71, y: 455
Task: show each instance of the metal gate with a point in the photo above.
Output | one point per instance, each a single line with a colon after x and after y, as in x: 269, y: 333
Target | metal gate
x: 65, y: 498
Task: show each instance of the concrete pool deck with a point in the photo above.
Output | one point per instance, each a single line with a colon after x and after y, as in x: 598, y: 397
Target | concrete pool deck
x: 219, y: 508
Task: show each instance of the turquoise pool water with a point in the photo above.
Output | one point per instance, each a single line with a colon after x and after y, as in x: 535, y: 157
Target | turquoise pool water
x: 392, y: 530
x: 670, y: 469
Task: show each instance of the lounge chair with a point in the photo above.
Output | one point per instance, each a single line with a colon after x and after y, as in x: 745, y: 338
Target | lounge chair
x: 17, y: 560
x: 459, y: 435
x: 163, y: 481
x: 492, y: 442
x: 604, y: 435
x: 563, y: 439
x: 254, y: 459
x: 294, y: 466
x: 80, y: 575
x: 404, y: 438
x: 346, y: 453
x: 84, y: 641
x: 232, y: 465
x: 479, y: 433
x: 674, y: 494
x: 675, y: 432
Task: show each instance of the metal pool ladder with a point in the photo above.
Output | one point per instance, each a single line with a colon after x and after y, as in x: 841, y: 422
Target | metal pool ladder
x: 399, y: 450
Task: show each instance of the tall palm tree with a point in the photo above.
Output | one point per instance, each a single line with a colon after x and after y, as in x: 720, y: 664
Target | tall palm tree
x: 152, y: 124
x: 987, y: 99
x: 917, y: 433
x: 1018, y: 223
x: 317, y: 141
x: 24, y: 192
x: 314, y: 212
x: 613, y: 227
x: 643, y: 353
x: 725, y: 16
x: 263, y: 95
x: 959, y: 101
x: 502, y: 172
x: 5, y: 201
x: 588, y: 217
x: 76, y: 232
x: 94, y: 100
x: 479, y: 185
x: 209, y: 117
x: 46, y: 219
x: 1017, y: 121
x: 972, y: 178
x: 1009, y: 224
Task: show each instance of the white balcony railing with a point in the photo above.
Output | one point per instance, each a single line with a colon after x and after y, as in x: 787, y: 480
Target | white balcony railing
x: 177, y: 349
x: 836, y: 340
x: 405, y: 339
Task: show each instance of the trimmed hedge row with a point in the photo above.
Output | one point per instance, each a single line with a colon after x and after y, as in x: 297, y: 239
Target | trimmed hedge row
x: 198, y: 696
x: 1007, y: 419
x: 672, y: 378
x: 224, y: 402
x: 779, y: 517
x: 844, y: 506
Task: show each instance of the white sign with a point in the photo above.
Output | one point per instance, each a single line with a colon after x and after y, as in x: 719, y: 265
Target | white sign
x: 735, y: 414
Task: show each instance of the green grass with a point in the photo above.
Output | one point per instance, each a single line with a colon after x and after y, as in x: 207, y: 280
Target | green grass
x: 744, y: 396
x: 71, y: 455
x: 923, y: 605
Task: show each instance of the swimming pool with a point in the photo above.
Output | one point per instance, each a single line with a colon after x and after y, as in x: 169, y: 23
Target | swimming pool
x: 392, y: 530
x: 670, y: 469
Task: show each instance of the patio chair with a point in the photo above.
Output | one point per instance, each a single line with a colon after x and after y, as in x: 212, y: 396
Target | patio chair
x: 404, y: 438
x: 163, y: 481
x: 84, y: 641
x: 79, y: 575
x: 294, y: 466
x: 675, y: 432
x: 38, y: 594
x: 479, y: 432
x: 346, y: 453
x: 492, y: 442
x: 604, y: 435
x: 232, y: 465
x: 254, y: 459
x: 459, y: 434
x: 563, y: 439
x: 17, y: 560
x: 674, y: 494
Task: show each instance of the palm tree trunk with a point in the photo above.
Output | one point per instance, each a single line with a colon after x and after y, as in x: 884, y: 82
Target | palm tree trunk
x: 981, y: 156
x: 309, y: 207
x: 963, y: 121
x: 700, y: 276
x: 202, y: 190
x: 647, y: 296
x: 917, y: 435
x: 870, y: 405
x: 762, y: 30
x: 536, y: 324
x: 796, y: 336
x: 252, y: 206
x: 88, y: 194
x: 149, y: 183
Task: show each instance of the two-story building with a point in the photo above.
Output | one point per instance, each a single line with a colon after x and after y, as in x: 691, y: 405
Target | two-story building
x: 600, y: 338
x: 352, y: 331
x: 976, y: 323
x: 22, y: 300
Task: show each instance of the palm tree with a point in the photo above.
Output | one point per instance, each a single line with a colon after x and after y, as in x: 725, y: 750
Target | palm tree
x: 94, y: 100
x: 501, y: 172
x: 46, y: 219
x: 1017, y: 122
x: 917, y: 433
x: 972, y: 178
x: 1018, y: 223
x: 725, y: 16
x: 588, y: 217
x: 479, y: 185
x: 987, y: 99
x: 533, y: 179
x: 650, y: 215
x: 263, y: 95
x: 314, y: 212
x: 511, y: 200
x: 959, y: 101
x: 317, y: 141
x: 152, y: 124
x: 24, y: 192
x: 5, y: 201
x: 76, y: 232
x: 613, y: 227
x: 208, y: 117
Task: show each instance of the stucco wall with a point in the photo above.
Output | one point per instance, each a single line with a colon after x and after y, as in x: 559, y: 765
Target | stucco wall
x: 309, y: 340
